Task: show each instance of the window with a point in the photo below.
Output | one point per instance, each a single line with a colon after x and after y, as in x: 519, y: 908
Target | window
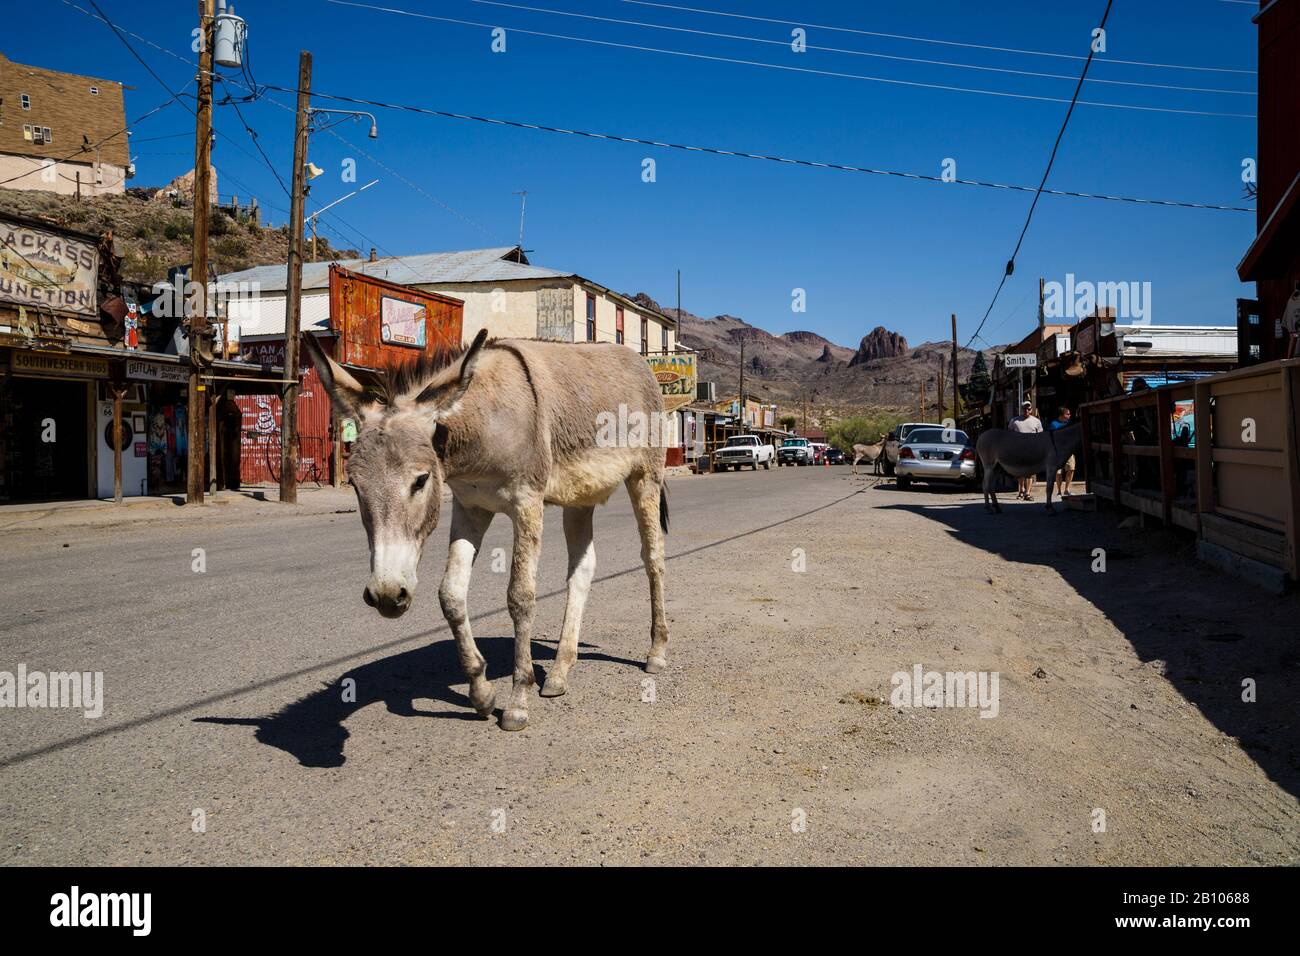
x: 591, y: 317
x: 645, y: 336
x: 27, y: 132
x: 664, y: 329
x: 25, y: 100
x: 618, y: 324
x: 49, y: 137
x: 94, y: 91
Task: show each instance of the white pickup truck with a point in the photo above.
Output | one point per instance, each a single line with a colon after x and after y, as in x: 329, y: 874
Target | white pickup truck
x: 743, y: 450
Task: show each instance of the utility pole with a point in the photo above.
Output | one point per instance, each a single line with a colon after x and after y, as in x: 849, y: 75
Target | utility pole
x: 293, y: 304
x: 740, y: 402
x: 956, y: 395
x: 942, y: 391
x: 196, y: 409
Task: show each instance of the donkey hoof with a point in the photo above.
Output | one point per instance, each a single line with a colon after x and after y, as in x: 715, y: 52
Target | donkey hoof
x: 484, y: 705
x: 514, y: 719
x: 555, y: 686
x: 654, y: 665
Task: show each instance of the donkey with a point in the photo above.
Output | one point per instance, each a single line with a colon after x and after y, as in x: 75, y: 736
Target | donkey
x: 871, y: 453
x: 1022, y: 455
x: 510, y: 426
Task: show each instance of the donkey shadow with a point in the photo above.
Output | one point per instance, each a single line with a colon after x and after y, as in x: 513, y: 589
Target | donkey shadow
x: 312, y: 729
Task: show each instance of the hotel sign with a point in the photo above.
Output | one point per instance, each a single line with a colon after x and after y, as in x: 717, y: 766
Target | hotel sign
x: 43, y: 269
x: 676, y: 374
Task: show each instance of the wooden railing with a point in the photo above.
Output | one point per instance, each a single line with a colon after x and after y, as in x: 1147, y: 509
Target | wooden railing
x: 1232, y: 477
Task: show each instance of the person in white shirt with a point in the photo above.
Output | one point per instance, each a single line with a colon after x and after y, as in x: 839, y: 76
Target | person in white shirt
x: 1026, y: 423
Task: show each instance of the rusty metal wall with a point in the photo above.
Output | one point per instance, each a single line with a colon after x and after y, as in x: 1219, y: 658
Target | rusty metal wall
x: 356, y: 304
x: 259, y: 460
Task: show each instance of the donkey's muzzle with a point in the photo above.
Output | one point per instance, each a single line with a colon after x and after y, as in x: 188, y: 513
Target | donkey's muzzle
x: 388, y: 603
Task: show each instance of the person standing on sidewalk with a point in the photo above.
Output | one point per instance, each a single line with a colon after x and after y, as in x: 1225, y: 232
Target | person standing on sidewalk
x: 1026, y: 423
x: 1066, y: 474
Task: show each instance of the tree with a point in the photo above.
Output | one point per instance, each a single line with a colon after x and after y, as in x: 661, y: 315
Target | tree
x: 788, y: 422
x: 862, y: 429
x: 979, y: 385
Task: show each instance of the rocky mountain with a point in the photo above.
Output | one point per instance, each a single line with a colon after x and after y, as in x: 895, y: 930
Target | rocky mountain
x: 879, y: 343
x: 883, y: 371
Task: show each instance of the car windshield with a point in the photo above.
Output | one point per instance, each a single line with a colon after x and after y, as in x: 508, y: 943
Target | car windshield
x: 793, y: 441
x: 936, y: 436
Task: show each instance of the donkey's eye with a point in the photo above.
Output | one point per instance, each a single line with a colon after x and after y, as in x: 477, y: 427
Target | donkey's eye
x: 419, y: 483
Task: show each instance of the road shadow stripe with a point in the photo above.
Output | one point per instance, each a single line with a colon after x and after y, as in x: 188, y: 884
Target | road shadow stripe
x: 176, y: 711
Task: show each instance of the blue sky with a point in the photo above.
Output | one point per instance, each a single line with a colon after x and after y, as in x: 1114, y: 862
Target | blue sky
x: 867, y: 250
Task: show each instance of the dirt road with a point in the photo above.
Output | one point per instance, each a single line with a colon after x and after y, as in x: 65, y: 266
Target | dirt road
x: 794, y: 596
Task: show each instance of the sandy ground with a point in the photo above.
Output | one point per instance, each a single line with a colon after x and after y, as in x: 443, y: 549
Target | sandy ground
x: 771, y: 739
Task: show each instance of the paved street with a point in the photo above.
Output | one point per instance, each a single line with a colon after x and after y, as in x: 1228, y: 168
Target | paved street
x: 225, y: 694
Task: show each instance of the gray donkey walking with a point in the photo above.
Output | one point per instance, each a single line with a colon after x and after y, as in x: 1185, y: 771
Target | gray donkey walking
x: 510, y: 426
x: 1023, y: 455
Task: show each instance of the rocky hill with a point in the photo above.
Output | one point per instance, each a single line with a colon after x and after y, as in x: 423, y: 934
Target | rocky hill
x: 156, y: 234
x: 884, y: 371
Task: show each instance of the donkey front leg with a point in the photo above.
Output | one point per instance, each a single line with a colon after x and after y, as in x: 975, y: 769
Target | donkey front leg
x: 645, y: 491
x: 521, y: 598
x: 468, y: 525
x: 582, y: 567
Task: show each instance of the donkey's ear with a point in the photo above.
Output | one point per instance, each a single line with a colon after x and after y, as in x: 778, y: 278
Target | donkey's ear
x: 444, y: 395
x: 347, y: 393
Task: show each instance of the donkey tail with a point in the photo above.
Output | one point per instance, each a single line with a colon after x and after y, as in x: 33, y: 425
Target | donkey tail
x: 663, y: 506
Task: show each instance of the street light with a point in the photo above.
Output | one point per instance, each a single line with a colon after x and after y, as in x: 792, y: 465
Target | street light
x: 312, y: 112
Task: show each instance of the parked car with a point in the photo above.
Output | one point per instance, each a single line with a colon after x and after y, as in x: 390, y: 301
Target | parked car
x: 835, y: 456
x: 795, y: 451
x: 819, y: 452
x: 744, y: 450
x: 895, y: 439
x: 936, y: 454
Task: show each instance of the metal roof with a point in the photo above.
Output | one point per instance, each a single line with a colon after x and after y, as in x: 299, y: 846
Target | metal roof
x: 265, y: 316
x: 473, y: 265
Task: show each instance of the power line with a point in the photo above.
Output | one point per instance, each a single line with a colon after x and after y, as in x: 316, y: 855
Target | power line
x: 759, y: 156
x: 831, y: 49
x: 255, y: 93
x: 403, y: 179
x: 1011, y: 263
x: 135, y: 53
x: 792, y: 69
x: 916, y: 39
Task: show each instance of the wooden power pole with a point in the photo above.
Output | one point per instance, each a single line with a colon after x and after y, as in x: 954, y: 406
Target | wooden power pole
x: 197, y: 411
x: 740, y: 400
x: 956, y: 395
x: 293, y: 304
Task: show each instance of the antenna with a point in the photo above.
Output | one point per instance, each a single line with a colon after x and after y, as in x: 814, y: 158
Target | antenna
x: 523, y: 203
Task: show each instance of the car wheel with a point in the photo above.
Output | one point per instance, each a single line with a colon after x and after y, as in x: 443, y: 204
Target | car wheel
x: 767, y: 465
x: 903, y: 482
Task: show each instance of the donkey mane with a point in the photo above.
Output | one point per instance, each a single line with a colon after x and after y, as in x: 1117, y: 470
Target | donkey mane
x: 391, y: 383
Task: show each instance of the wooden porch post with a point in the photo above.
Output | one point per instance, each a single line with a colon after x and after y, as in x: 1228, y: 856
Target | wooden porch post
x: 1204, y: 449
x: 1164, y: 426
